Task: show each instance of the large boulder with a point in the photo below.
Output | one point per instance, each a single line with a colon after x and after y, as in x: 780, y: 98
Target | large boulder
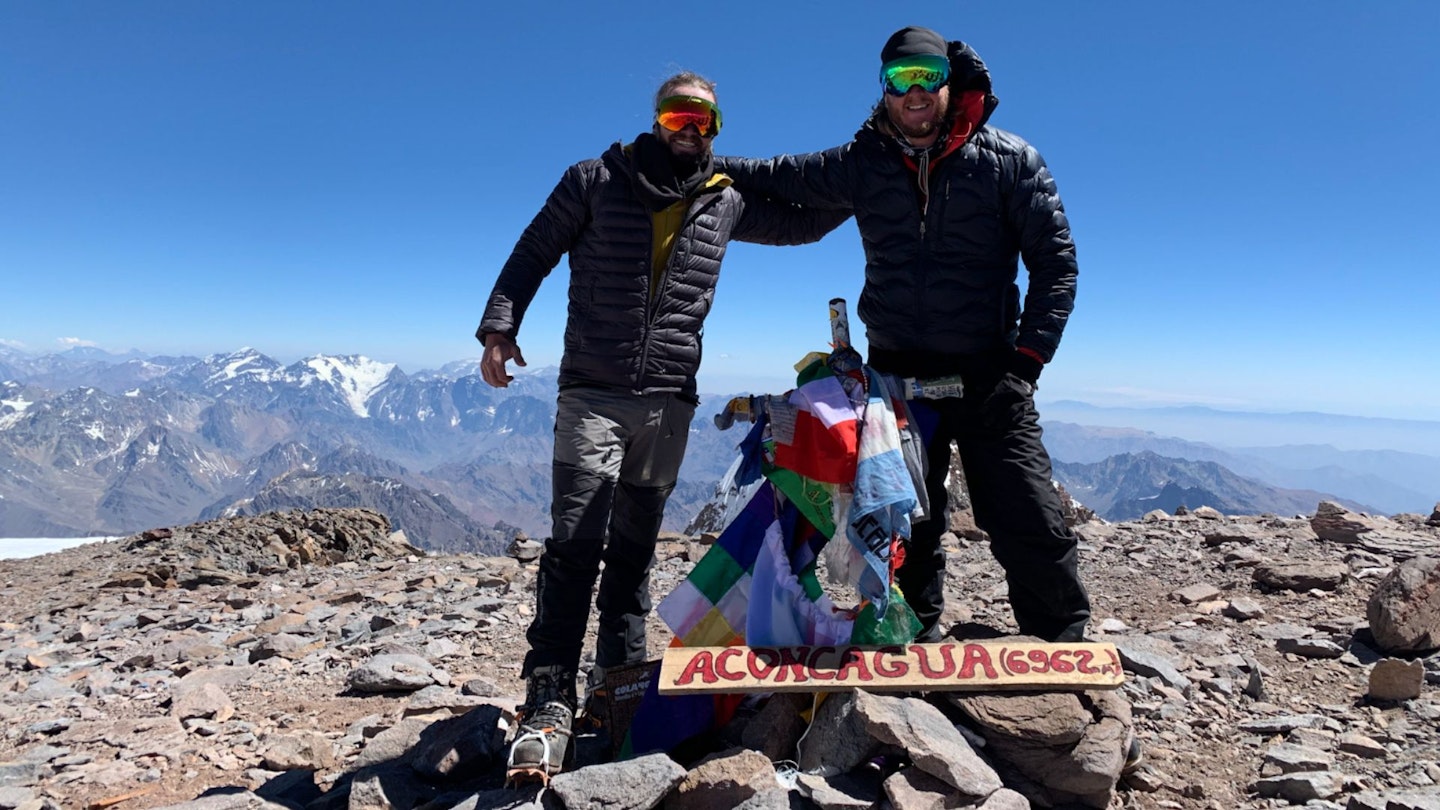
x: 1404, y: 610
x: 1055, y: 747
x: 1337, y: 524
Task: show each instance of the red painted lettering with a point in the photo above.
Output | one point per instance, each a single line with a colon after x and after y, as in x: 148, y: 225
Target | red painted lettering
x: 1015, y: 663
x: 976, y: 655
x: 721, y: 659
x: 813, y: 664
x: 1040, y: 659
x: 947, y: 667
x: 889, y: 664
x: 761, y: 662
x: 853, y: 661
x: 1059, y: 662
x: 703, y: 665
x: 792, y: 661
x: 1114, y: 666
x: 1083, y: 662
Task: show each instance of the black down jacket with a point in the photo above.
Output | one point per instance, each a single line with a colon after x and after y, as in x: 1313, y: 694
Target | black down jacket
x: 940, y: 269
x: 617, y: 336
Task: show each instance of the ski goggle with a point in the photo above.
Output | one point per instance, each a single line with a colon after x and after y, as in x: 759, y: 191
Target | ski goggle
x: 677, y: 112
x: 929, y: 72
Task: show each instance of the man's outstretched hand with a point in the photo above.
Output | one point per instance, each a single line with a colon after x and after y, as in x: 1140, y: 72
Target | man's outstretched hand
x: 499, y: 350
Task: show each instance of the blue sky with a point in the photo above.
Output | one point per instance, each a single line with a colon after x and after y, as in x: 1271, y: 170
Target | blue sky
x: 1249, y: 184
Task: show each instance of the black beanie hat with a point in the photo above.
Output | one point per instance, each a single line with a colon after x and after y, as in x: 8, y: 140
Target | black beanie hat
x: 913, y: 41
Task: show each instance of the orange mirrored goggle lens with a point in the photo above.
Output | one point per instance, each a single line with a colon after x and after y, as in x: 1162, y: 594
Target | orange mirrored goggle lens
x: 677, y: 112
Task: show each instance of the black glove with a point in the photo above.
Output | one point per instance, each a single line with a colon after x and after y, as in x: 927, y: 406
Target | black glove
x: 999, y: 409
x: 1011, y: 393
x: 1025, y: 367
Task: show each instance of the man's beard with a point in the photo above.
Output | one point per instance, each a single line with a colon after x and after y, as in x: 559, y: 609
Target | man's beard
x: 924, y: 129
x: 686, y: 163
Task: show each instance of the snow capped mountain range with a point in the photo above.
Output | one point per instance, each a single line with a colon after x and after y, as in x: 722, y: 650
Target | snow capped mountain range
x: 96, y: 444
x: 90, y: 446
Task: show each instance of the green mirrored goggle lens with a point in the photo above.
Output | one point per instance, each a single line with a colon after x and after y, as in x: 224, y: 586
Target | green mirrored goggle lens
x: 677, y: 112
x: 929, y: 72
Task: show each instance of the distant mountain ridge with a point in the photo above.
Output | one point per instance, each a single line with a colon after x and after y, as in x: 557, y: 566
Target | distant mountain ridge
x: 108, y: 445
x: 95, y: 447
x: 1126, y: 486
x: 1384, y: 481
x: 137, y: 443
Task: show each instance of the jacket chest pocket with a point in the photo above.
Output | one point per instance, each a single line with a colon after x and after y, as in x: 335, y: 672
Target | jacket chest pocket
x: 972, y: 216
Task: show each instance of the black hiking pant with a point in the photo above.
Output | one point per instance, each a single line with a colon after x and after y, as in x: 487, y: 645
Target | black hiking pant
x: 617, y: 456
x: 1009, y: 476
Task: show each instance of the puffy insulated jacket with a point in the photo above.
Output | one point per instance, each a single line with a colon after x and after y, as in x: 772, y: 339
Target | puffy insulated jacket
x: 942, y: 257
x: 618, y: 335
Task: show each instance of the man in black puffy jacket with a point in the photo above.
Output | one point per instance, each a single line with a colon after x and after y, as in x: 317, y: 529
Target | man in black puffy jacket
x: 947, y: 206
x: 646, y: 226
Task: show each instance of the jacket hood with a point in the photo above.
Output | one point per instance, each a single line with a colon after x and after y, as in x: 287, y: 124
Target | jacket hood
x: 972, y: 99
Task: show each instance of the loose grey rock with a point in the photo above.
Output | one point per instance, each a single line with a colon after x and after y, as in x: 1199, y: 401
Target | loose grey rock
x: 1243, y: 533
x: 525, y: 549
x: 1299, y: 788
x: 306, y: 750
x: 838, y: 740
x: 1336, y: 523
x: 1302, y: 576
x: 392, y: 743
x: 13, y: 797
x: 1243, y: 608
x: 930, y: 739
x: 912, y: 789
x: 239, y: 800
x: 724, y: 781
x: 1066, y: 746
x: 206, y: 701
x: 777, y: 727
x: 1404, y: 609
x: 1005, y: 799
x: 850, y: 791
x: 1283, y: 724
x: 1361, y: 746
x: 1427, y: 798
x: 466, y: 744
x: 1310, y: 647
x: 388, y: 786
x: 772, y: 799
x: 1142, y: 659
x: 1198, y: 592
x: 635, y: 784
x: 395, y: 672
x: 1395, y: 679
x: 1288, y: 758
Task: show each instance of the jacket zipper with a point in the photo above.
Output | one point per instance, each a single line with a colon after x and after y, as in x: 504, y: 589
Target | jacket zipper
x: 653, y: 304
x: 923, y: 175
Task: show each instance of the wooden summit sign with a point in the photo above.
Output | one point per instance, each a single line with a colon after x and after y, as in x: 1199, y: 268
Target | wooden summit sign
x: 919, y: 667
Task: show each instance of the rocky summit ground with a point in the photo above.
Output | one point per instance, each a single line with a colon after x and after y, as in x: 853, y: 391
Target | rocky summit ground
x: 314, y: 660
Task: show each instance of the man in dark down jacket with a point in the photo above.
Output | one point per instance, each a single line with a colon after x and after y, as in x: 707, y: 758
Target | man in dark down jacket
x: 646, y: 226
x: 947, y: 206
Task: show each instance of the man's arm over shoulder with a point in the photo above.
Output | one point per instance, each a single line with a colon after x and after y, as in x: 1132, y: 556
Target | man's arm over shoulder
x: 818, y: 179
x: 1046, y: 246
x: 770, y: 222
x: 547, y: 238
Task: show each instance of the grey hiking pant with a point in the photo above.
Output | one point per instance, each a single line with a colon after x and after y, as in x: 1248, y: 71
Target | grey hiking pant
x: 617, y: 455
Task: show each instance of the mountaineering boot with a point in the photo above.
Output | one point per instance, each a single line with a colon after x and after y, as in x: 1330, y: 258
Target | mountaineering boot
x: 595, y: 711
x: 543, y: 737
